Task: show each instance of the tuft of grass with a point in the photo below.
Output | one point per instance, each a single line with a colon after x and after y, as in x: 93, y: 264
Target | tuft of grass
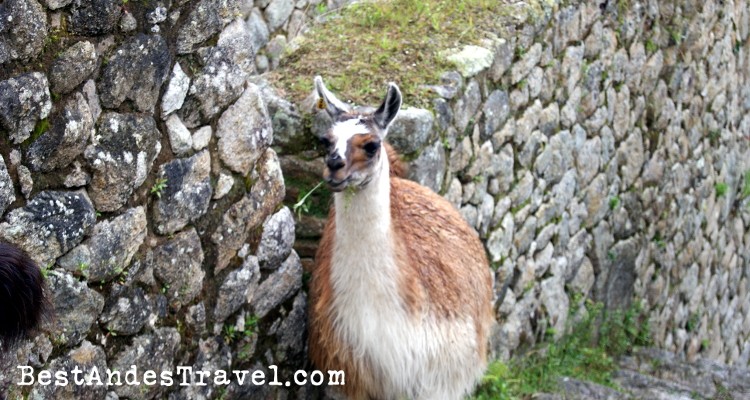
x: 230, y: 333
x: 614, y: 202
x: 361, y: 47
x: 41, y: 127
x: 159, y: 186
x: 251, y: 324
x: 83, y: 269
x: 659, y: 241
x: 713, y: 137
x: 721, y: 189
x: 45, y: 270
x: 746, y: 185
x: 586, y: 352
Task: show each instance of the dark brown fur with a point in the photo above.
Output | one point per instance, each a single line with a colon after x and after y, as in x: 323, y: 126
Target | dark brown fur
x: 22, y: 301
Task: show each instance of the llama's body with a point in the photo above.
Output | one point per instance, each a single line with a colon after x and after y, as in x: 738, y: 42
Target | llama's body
x: 400, y: 294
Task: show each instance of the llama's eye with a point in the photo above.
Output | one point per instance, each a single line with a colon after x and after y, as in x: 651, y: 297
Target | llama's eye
x: 325, y: 142
x: 371, y: 148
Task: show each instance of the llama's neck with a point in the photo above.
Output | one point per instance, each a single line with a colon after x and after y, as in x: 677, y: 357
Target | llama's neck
x: 363, y: 255
x: 364, y: 272
x: 365, y: 213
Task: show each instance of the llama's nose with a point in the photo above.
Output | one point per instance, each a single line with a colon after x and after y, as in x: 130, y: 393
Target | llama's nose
x: 335, y: 162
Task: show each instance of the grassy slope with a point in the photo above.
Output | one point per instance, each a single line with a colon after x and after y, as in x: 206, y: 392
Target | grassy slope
x: 360, y: 48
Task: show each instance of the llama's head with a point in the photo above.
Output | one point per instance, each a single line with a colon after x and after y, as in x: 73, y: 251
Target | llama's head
x: 353, y: 145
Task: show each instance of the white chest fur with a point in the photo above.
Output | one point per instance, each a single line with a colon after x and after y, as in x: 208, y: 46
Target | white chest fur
x: 418, y: 357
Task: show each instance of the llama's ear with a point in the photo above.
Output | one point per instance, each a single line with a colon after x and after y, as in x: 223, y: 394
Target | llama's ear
x: 327, y: 101
x: 387, y: 111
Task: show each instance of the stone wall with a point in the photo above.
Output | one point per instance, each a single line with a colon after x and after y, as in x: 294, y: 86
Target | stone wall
x: 135, y: 168
x: 602, y: 151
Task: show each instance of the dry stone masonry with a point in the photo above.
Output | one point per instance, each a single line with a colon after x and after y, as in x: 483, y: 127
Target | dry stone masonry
x: 600, y: 148
x: 136, y: 169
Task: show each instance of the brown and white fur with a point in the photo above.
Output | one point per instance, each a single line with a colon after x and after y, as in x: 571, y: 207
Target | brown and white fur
x: 400, y: 297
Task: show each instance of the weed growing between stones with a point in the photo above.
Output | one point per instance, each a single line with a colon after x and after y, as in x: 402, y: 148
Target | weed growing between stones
x: 746, y: 185
x: 159, y: 186
x: 302, y: 206
x: 721, y: 189
x: 586, y: 352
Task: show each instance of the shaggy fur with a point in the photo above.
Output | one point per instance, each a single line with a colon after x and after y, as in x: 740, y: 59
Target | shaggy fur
x: 401, y: 290
x: 22, y: 302
x: 435, y: 282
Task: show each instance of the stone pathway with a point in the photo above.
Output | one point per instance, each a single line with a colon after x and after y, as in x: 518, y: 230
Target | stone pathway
x: 653, y: 374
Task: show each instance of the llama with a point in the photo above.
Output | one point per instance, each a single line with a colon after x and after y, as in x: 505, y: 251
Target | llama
x: 22, y: 300
x: 401, y: 290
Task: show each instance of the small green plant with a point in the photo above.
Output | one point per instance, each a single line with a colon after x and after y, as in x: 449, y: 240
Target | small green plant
x: 495, y: 383
x: 230, y: 333
x: 45, y: 270
x: 676, y: 36
x: 692, y: 323
x: 159, y: 186
x: 122, y: 274
x: 660, y: 243
x: 251, y: 323
x: 713, y: 137
x: 321, y: 8
x: 746, y: 185
x: 614, y: 202
x: 302, y: 206
x: 83, y: 268
x: 650, y: 46
x: 39, y: 129
x: 520, y: 51
x: 721, y: 189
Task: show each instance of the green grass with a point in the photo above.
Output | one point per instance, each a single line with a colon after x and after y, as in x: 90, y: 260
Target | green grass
x: 586, y: 352
x: 365, y: 45
x: 41, y: 127
x: 614, y: 202
x: 746, y: 185
x: 721, y: 189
